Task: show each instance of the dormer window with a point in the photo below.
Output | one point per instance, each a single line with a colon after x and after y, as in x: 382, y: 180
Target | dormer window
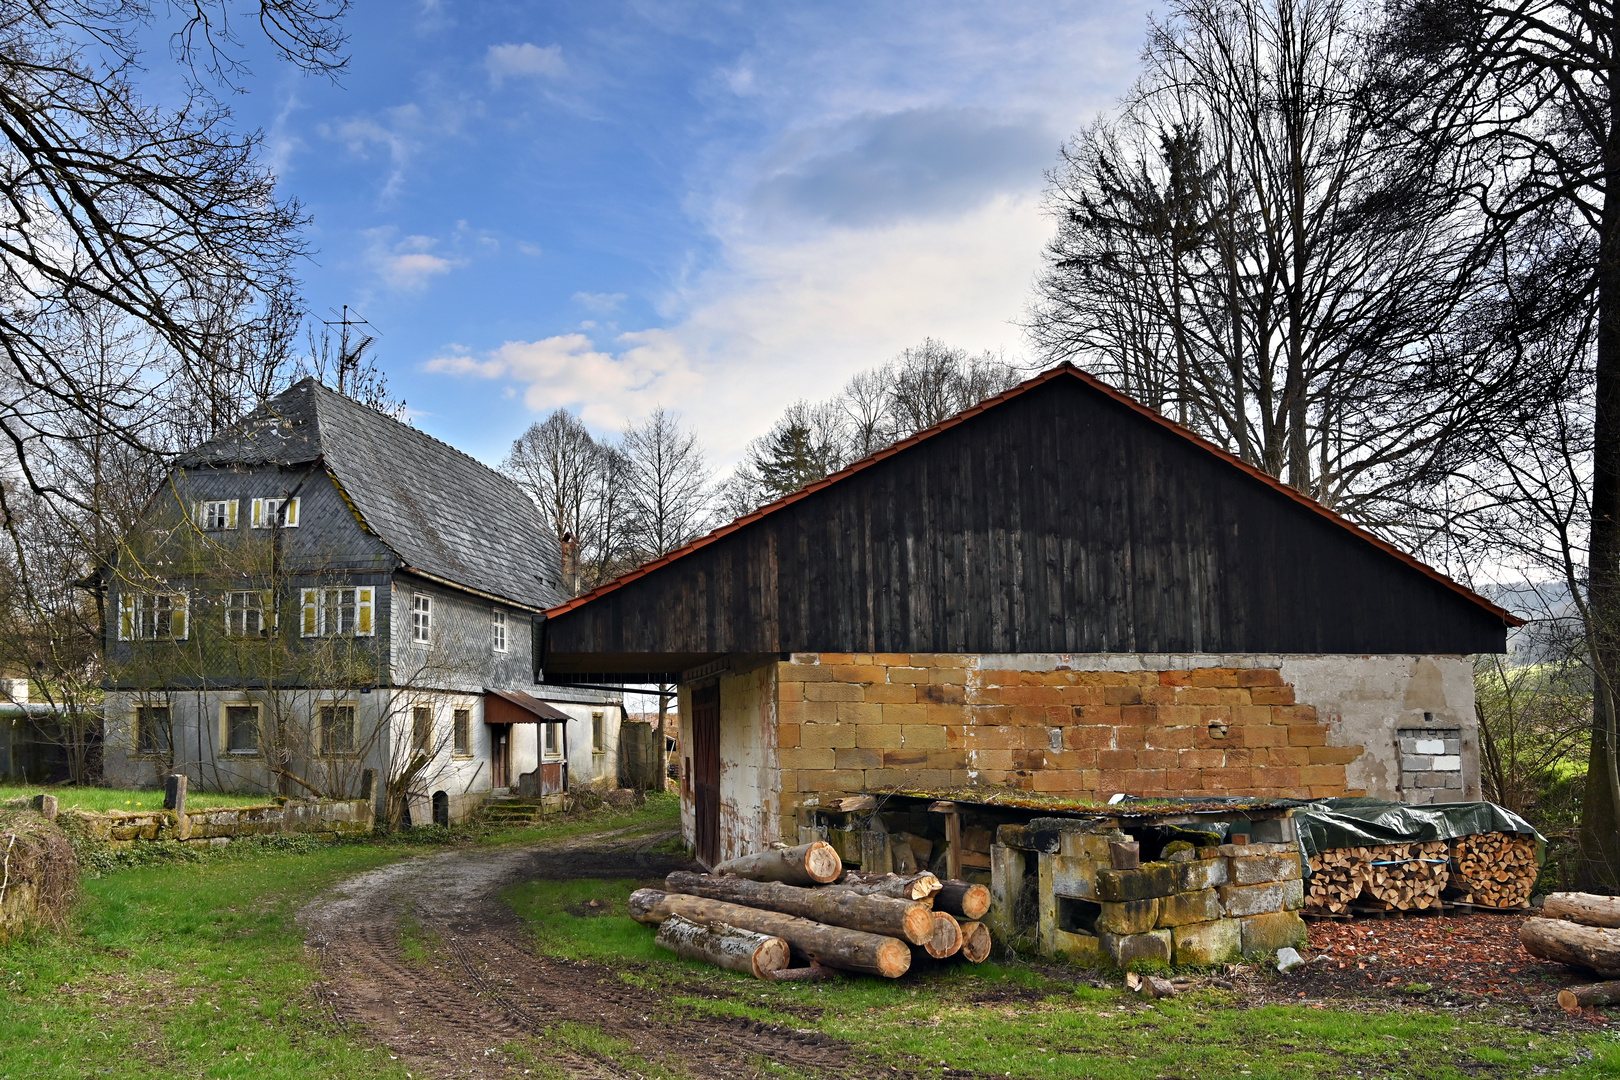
x: 266, y: 512
x: 215, y: 515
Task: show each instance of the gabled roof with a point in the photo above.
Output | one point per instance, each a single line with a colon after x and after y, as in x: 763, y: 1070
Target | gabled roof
x: 1062, y: 371
x: 446, y: 515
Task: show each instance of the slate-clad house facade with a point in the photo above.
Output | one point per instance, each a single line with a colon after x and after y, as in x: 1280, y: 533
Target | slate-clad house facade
x: 324, y: 590
x: 1058, y: 590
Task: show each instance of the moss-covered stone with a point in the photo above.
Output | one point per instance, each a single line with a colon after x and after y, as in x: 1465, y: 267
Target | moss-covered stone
x: 1264, y: 868
x: 1125, y: 949
x: 1217, y: 942
x: 1189, y: 907
x: 1242, y: 900
x: 1147, y: 880
x: 1130, y: 916
x: 1202, y: 874
x: 1265, y: 934
x: 1081, y: 948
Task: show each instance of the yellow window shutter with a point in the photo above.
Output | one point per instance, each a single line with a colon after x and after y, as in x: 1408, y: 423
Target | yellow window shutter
x: 197, y: 514
x: 126, y: 615
x: 177, y: 623
x: 230, y: 513
x: 290, y: 517
x: 271, y: 617
x: 258, y: 514
x: 364, y: 601
x: 311, y: 606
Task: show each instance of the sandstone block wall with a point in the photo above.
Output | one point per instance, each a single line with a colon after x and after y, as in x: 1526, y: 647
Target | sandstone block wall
x: 862, y: 722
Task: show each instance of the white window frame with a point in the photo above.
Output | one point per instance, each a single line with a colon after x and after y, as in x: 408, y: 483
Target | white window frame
x: 498, y: 628
x: 551, y: 741
x: 214, y: 515
x: 463, y: 751
x: 421, y: 619
x: 417, y: 747
x: 314, y: 605
x: 225, y: 708
x: 354, y: 727
x: 265, y: 510
x: 266, y: 611
x: 140, y: 613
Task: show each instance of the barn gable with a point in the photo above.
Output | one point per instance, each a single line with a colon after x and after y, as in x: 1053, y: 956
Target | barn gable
x: 1060, y: 517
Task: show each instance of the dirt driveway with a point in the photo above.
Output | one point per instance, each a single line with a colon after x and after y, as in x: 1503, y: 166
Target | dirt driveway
x: 479, y: 986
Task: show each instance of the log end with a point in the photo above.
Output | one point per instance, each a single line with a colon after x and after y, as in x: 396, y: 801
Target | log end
x: 770, y: 958
x: 947, y: 937
x: 822, y: 863
x: 1569, y: 1002
x: 919, y: 924
x: 976, y: 902
x: 893, y: 959
x: 975, y: 942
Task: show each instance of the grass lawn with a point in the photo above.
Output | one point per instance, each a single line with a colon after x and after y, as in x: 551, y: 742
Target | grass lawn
x: 100, y: 800
x: 1044, y: 1023
x: 198, y: 969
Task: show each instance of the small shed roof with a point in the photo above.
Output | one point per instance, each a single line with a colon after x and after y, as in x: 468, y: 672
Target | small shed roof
x: 1058, y: 517
x: 445, y: 514
x: 516, y: 707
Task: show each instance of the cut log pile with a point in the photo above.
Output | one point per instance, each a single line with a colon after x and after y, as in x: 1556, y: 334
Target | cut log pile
x: 1494, y: 870
x: 793, y: 913
x: 1579, y: 929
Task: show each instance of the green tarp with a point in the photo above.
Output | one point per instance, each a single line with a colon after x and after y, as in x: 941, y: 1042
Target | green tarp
x: 1334, y: 823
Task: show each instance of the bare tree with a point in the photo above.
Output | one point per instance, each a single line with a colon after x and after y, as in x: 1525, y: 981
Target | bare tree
x: 665, y: 484
x: 349, y: 365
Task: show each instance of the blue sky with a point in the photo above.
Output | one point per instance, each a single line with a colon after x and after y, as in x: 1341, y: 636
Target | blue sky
x: 719, y: 208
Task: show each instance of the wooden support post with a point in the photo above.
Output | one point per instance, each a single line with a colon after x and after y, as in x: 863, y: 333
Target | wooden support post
x: 953, y: 838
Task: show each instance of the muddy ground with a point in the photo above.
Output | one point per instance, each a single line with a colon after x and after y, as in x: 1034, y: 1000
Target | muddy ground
x: 482, y: 986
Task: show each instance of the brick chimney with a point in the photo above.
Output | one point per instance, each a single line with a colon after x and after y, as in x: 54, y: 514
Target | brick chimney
x: 570, y: 562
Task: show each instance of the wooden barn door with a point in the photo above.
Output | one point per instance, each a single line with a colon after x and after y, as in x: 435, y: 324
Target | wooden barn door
x: 706, y: 771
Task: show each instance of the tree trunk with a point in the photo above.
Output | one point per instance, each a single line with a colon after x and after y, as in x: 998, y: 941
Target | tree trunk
x: 975, y: 942
x: 834, y: 946
x: 963, y: 899
x: 906, y: 919
x: 914, y: 887
x: 724, y: 946
x: 1573, y: 944
x: 813, y: 973
x: 1575, y: 998
x: 815, y: 863
x: 1584, y: 908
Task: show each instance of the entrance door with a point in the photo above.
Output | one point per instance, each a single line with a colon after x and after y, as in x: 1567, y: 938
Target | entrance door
x: 706, y: 771
x: 500, y: 753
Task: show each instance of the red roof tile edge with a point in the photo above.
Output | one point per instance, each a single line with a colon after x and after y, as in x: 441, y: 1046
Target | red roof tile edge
x: 1061, y: 370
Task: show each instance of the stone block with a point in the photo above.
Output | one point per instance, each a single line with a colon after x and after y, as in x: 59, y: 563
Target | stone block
x: 1243, y: 900
x: 1249, y: 851
x: 1416, y: 762
x: 1263, y: 935
x: 1131, y: 917
x: 1263, y: 868
x: 1424, y: 746
x: 1447, y: 764
x: 1072, y: 876
x: 1189, y: 907
x: 1453, y: 746
x: 1202, y: 874
x: 1274, y: 831
x: 1127, y: 949
x: 1217, y: 942
x: 1084, y: 949
x: 1150, y: 879
x: 1293, y: 894
x: 1454, y: 780
x: 1430, y: 779
x: 1088, y: 845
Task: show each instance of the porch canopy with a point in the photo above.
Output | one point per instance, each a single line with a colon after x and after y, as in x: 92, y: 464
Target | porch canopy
x: 516, y: 707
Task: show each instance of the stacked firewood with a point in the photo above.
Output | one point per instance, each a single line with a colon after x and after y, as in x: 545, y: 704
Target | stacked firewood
x: 794, y: 913
x: 1489, y: 869
x: 1581, y: 930
x: 1494, y: 869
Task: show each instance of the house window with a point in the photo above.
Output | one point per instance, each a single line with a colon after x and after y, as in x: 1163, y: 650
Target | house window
x: 337, y: 730
x: 422, y: 729
x: 269, y: 513
x: 152, y: 731
x: 598, y: 734
x: 500, y: 631
x: 242, y: 729
x: 244, y: 613
x: 152, y: 616
x: 338, y: 612
x: 421, y: 618
x: 463, y: 733
x: 215, y: 515
x: 551, y: 740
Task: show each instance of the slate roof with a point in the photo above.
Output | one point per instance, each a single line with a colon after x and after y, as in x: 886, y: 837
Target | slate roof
x: 442, y: 512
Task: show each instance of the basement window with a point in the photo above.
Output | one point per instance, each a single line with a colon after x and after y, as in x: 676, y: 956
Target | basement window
x: 462, y: 746
x: 338, y: 730
x: 422, y: 730
x: 598, y: 734
x: 242, y: 729
x: 152, y: 731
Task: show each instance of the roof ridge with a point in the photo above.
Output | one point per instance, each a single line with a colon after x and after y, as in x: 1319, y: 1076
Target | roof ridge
x: 1064, y: 368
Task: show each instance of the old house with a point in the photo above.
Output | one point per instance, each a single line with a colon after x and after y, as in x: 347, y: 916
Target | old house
x: 1060, y: 591
x: 324, y: 598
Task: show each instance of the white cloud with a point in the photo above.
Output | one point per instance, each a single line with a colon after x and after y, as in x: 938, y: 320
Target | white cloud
x: 524, y: 61
x: 408, y: 264
x: 599, y: 302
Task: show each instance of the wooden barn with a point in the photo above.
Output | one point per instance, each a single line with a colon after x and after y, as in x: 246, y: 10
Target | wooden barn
x: 1059, y: 591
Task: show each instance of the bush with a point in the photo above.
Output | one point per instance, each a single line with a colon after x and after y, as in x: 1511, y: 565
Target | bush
x: 39, y: 873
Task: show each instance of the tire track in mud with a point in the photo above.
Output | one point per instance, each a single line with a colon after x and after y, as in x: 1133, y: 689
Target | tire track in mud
x: 486, y: 987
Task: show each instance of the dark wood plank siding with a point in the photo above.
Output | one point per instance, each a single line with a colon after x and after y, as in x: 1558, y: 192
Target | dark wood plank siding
x: 1057, y: 521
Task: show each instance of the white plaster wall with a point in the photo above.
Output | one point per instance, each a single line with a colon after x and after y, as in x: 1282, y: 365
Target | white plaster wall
x: 750, y: 773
